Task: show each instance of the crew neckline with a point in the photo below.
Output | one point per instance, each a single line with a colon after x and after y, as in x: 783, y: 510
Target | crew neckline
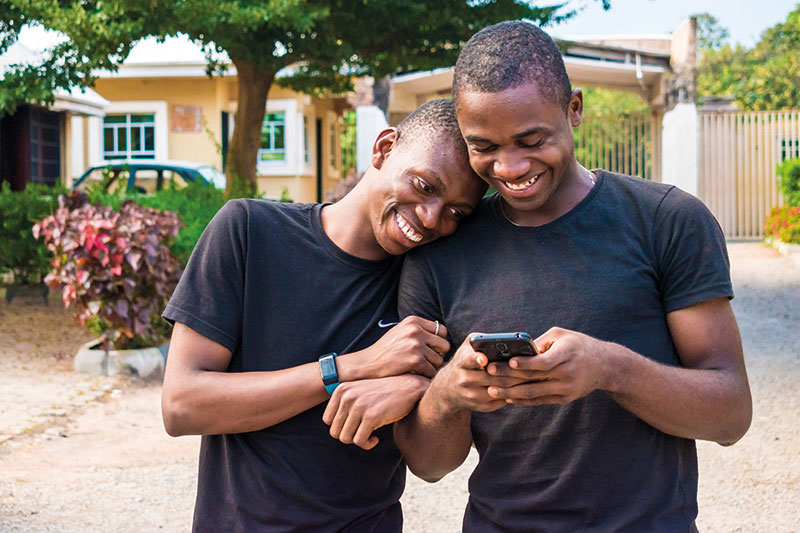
x: 495, y: 207
x: 315, y: 215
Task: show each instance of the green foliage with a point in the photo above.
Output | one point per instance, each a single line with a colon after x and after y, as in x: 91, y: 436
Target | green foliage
x: 114, y: 267
x: 20, y: 252
x: 325, y: 42
x: 789, y: 181
x: 783, y: 223
x: 765, y: 77
x: 196, y: 204
x: 598, y: 101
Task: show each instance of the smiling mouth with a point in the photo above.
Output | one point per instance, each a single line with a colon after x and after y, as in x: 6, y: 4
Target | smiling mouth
x: 406, y: 228
x: 516, y: 187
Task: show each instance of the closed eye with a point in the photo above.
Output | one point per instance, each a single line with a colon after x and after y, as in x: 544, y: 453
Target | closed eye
x: 537, y: 144
x: 483, y: 149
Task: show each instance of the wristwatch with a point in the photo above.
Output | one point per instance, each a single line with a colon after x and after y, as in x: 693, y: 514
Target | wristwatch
x: 330, y: 377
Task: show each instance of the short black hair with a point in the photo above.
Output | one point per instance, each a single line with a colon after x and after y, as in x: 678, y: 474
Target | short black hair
x: 433, y: 120
x: 510, y: 54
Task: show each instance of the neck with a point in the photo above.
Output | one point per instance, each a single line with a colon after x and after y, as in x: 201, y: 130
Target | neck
x: 347, y: 224
x: 569, y: 194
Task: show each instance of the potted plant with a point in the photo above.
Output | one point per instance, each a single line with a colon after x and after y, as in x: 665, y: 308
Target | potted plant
x: 24, y: 261
x: 114, y: 267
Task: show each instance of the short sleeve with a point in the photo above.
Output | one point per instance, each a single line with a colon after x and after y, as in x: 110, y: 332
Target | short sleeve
x: 417, y: 293
x: 693, y: 263
x: 209, y: 295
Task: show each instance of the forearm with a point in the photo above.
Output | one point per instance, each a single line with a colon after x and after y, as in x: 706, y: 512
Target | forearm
x: 434, y: 440
x: 209, y: 402
x: 697, y: 403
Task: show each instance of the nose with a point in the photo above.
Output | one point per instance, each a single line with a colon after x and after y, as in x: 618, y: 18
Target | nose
x: 430, y: 213
x: 509, y: 166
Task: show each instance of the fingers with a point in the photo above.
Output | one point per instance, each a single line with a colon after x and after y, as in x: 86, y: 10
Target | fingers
x: 436, y: 328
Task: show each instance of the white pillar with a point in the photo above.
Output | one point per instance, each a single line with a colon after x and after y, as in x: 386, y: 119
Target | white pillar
x: 370, y: 121
x: 680, y: 148
x: 76, y: 147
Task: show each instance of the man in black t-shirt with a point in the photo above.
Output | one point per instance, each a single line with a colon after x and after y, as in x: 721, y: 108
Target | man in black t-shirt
x: 285, y: 306
x: 623, y: 283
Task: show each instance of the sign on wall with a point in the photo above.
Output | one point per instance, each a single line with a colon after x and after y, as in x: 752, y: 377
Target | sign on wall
x: 186, y: 119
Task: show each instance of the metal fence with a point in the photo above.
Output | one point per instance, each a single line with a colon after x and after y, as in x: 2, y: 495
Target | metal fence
x: 738, y: 155
x: 626, y: 144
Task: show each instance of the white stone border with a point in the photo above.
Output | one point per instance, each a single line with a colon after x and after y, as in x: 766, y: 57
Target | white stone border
x: 792, y: 251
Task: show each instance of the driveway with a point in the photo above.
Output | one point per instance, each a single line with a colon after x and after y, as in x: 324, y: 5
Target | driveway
x: 89, y: 454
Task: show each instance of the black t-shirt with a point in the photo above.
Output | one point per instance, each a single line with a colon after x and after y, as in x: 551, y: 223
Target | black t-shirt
x: 613, y: 267
x: 267, y: 283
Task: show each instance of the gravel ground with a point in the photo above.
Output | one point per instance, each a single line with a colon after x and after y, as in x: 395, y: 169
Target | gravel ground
x: 89, y: 454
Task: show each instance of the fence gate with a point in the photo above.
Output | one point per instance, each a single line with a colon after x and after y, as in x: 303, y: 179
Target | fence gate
x: 628, y: 144
x: 738, y: 155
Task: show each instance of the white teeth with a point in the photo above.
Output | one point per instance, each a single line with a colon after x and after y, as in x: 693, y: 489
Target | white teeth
x: 521, y: 186
x: 405, y: 227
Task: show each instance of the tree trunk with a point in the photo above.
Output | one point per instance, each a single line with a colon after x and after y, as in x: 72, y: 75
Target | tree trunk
x: 240, y: 169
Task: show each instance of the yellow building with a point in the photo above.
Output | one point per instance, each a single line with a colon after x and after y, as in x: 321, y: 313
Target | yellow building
x: 163, y: 106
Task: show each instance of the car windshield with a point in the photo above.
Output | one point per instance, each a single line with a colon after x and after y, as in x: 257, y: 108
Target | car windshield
x: 212, y: 175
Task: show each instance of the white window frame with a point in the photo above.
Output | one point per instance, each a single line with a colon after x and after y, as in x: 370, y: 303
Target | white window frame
x: 293, y: 162
x: 156, y: 107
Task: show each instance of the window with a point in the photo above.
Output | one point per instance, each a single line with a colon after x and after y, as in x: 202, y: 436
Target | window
x: 273, y: 133
x: 129, y: 136
x: 333, y: 144
x: 305, y: 138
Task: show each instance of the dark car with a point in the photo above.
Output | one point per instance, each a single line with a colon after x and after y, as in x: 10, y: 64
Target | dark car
x: 149, y: 176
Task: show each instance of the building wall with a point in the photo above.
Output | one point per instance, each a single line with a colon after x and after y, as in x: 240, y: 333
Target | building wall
x: 295, y: 176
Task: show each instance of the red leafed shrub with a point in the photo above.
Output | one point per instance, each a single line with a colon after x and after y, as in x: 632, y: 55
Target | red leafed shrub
x: 114, y: 266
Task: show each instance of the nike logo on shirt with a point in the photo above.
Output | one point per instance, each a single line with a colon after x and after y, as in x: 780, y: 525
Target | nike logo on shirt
x: 382, y: 324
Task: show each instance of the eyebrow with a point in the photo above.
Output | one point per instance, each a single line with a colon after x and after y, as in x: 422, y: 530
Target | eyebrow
x: 526, y: 133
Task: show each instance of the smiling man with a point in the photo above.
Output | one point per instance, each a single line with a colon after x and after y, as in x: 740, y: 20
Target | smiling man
x: 623, y: 283
x: 282, y: 306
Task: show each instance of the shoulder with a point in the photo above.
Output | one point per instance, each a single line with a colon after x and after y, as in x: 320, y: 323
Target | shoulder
x: 448, y: 248
x: 255, y: 213
x: 632, y: 189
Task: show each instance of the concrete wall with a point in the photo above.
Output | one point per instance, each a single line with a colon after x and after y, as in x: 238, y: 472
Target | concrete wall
x: 680, y: 161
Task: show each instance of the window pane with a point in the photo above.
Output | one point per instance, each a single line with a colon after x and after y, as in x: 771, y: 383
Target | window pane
x: 114, y: 119
x: 278, y: 137
x: 108, y: 139
x: 275, y: 117
x: 136, y: 139
x: 143, y: 118
x: 122, y: 138
x: 271, y: 156
x: 149, y: 138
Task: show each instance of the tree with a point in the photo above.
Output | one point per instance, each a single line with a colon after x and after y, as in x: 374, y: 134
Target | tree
x: 765, y: 77
x: 325, y: 43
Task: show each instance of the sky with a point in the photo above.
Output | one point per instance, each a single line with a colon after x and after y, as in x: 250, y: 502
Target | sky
x: 745, y: 19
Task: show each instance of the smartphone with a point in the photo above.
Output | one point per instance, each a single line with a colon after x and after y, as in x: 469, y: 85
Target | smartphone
x: 503, y: 346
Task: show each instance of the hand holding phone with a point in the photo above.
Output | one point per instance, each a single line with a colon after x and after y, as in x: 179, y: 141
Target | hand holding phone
x: 503, y: 346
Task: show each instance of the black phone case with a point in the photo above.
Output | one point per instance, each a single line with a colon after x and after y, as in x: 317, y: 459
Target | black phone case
x: 503, y: 346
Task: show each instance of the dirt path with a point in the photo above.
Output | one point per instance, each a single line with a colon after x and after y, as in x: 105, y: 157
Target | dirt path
x: 88, y: 454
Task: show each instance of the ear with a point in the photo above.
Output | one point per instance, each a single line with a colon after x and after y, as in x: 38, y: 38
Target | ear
x: 384, y: 144
x: 575, y: 108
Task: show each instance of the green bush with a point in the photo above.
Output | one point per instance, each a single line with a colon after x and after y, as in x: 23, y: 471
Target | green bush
x: 789, y: 181
x: 196, y: 204
x: 783, y: 223
x: 20, y: 252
